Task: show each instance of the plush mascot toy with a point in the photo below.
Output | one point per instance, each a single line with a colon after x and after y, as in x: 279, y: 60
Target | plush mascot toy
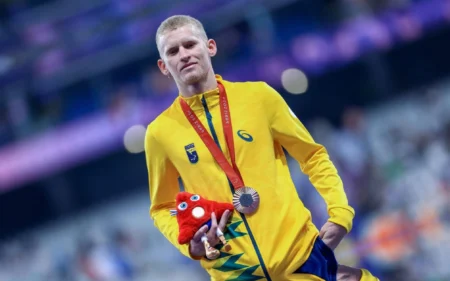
x: 192, y: 213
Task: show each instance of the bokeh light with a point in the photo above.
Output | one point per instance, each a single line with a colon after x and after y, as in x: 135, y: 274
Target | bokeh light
x: 133, y: 139
x: 294, y: 81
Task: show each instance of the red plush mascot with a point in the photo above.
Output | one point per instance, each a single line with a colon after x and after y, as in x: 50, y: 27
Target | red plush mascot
x: 192, y: 213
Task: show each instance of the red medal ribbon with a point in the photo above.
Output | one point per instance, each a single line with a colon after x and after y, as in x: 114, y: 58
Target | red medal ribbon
x: 232, y: 170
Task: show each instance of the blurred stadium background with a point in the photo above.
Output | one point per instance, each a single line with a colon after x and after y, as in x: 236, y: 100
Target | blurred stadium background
x: 78, y: 85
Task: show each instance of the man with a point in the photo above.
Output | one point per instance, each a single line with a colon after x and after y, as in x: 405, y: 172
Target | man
x: 248, y: 124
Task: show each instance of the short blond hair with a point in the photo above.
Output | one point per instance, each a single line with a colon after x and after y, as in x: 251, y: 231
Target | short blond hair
x: 178, y: 21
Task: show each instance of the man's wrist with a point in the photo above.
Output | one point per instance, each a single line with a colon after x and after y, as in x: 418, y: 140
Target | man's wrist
x: 338, y: 222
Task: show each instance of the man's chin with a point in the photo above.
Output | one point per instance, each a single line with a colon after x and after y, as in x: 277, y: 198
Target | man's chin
x: 192, y: 78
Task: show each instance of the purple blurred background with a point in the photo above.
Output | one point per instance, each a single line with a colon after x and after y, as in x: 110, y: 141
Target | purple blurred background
x: 79, y: 84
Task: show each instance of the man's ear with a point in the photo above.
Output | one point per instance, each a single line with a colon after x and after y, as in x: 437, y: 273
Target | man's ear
x: 163, y: 68
x: 212, y: 47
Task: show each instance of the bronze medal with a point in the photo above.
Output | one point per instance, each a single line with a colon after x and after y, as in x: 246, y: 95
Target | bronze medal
x: 246, y: 200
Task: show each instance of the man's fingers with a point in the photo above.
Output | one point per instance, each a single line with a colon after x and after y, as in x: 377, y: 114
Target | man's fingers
x: 213, y: 219
x: 213, y: 223
x: 198, y: 235
x: 321, y: 234
x: 224, y: 220
x: 212, y: 231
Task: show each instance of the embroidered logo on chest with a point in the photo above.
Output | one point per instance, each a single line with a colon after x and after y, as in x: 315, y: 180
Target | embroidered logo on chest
x: 245, y: 136
x: 191, y: 153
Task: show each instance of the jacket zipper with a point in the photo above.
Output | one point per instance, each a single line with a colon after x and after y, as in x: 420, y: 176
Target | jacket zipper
x: 244, y: 219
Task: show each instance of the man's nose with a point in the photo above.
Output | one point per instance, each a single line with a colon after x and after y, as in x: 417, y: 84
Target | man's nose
x: 184, y: 54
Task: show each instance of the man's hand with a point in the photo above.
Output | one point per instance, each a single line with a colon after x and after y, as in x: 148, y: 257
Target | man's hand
x: 332, y: 234
x: 196, y: 247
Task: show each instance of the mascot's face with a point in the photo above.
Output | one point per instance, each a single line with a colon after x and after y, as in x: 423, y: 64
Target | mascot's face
x: 192, y: 205
x: 194, y: 211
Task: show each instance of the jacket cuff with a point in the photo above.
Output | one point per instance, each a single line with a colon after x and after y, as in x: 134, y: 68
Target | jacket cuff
x: 342, y: 216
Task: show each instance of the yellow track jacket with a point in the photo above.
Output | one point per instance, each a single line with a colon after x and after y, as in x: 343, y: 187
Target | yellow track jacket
x: 278, y: 238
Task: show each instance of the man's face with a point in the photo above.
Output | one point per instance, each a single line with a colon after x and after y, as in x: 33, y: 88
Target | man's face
x: 185, y: 55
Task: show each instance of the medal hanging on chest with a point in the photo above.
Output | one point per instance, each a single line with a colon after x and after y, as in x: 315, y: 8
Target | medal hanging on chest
x: 245, y: 199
